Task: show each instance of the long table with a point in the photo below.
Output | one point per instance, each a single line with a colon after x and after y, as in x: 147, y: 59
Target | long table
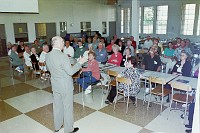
x: 186, y: 80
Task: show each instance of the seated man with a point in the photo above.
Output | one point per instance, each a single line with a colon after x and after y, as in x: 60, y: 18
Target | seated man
x: 168, y: 56
x: 27, y: 54
x: 95, y: 42
x: 37, y: 47
x: 155, y: 43
x: 79, y: 51
x: 101, y: 54
x: 151, y: 61
x: 68, y: 49
x: 15, y: 60
x: 42, y: 60
x: 147, y: 44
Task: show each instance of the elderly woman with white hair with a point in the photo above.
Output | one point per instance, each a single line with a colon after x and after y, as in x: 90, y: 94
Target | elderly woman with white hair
x: 116, y: 57
x: 85, y: 55
x: 129, y: 45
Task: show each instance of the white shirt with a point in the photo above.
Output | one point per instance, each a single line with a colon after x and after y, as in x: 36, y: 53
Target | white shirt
x: 85, y: 55
x: 132, y: 50
x: 42, y: 59
x: 27, y: 58
x: 147, y: 44
x: 69, y: 51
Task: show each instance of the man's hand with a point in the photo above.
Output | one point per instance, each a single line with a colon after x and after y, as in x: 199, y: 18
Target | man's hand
x: 82, y: 60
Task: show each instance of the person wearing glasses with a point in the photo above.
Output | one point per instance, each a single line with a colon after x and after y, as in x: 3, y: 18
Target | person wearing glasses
x: 183, y: 67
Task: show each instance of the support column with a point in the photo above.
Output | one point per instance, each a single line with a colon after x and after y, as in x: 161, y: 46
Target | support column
x: 135, y: 20
x: 31, y: 32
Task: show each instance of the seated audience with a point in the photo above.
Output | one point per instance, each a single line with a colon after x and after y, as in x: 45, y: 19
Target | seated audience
x: 130, y: 73
x: 109, y: 47
x: 178, y: 51
x: 134, y: 44
x: 151, y: 61
x: 116, y: 57
x: 27, y: 54
x: 101, y: 54
x: 75, y: 43
x: 90, y: 74
x: 121, y: 46
x: 189, y: 45
x: 37, y: 47
x: 15, y: 60
x: 147, y: 44
x: 94, y: 42
x: 20, y: 48
x: 125, y: 57
x: 34, y: 59
x: 43, y: 56
x: 85, y: 44
x: 103, y: 41
x: 9, y: 45
x: 68, y: 49
x: 79, y: 51
x: 155, y: 43
x: 168, y: 56
x: 85, y: 55
x: 182, y: 67
x: 178, y: 43
x: 129, y: 45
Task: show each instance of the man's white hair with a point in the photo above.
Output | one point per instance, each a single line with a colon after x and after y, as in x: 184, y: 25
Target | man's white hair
x: 57, y: 42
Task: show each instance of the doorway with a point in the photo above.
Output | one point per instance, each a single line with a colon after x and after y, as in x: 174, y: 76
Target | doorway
x: 3, y: 48
x: 112, y: 29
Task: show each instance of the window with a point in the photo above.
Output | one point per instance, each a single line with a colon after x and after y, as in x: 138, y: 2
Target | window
x: 21, y: 32
x: 104, y: 28
x: 188, y: 19
x: 161, y: 23
x: 63, y: 28
x: 125, y: 20
x: 85, y: 26
x: 140, y: 19
x: 198, y: 27
x: 148, y: 20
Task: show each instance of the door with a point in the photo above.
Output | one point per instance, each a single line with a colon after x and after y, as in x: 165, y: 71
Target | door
x: 3, y: 48
x: 112, y: 29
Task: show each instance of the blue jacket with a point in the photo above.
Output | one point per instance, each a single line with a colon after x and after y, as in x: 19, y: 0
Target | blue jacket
x: 101, y: 56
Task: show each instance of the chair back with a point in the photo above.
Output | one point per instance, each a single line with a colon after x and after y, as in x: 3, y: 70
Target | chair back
x: 181, y: 86
x: 123, y: 80
x: 112, y: 73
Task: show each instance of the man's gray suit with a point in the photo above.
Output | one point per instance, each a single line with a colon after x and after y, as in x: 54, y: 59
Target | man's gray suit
x: 61, y: 71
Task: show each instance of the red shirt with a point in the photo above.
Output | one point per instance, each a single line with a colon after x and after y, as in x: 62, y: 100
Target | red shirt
x: 117, y: 57
x: 93, y: 66
x: 109, y: 47
x: 134, y: 44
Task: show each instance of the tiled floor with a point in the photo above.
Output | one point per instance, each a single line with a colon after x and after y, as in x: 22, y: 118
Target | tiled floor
x: 26, y: 107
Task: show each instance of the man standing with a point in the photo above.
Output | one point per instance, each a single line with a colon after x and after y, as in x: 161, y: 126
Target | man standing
x: 61, y: 71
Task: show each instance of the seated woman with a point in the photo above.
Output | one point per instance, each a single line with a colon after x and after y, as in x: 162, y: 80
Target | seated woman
x: 125, y: 57
x: 34, y: 59
x: 101, y: 54
x: 15, y: 60
x: 183, y: 67
x: 116, y: 57
x: 131, y: 73
x: 121, y: 46
x: 90, y: 74
x: 168, y: 57
x: 85, y: 55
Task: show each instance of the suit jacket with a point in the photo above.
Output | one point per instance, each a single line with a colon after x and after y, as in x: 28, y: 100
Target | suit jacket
x: 61, y: 71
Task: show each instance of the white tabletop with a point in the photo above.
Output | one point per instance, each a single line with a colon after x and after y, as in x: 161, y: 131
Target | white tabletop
x: 106, y: 66
x: 118, y: 69
x: 192, y: 81
x: 166, y: 77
